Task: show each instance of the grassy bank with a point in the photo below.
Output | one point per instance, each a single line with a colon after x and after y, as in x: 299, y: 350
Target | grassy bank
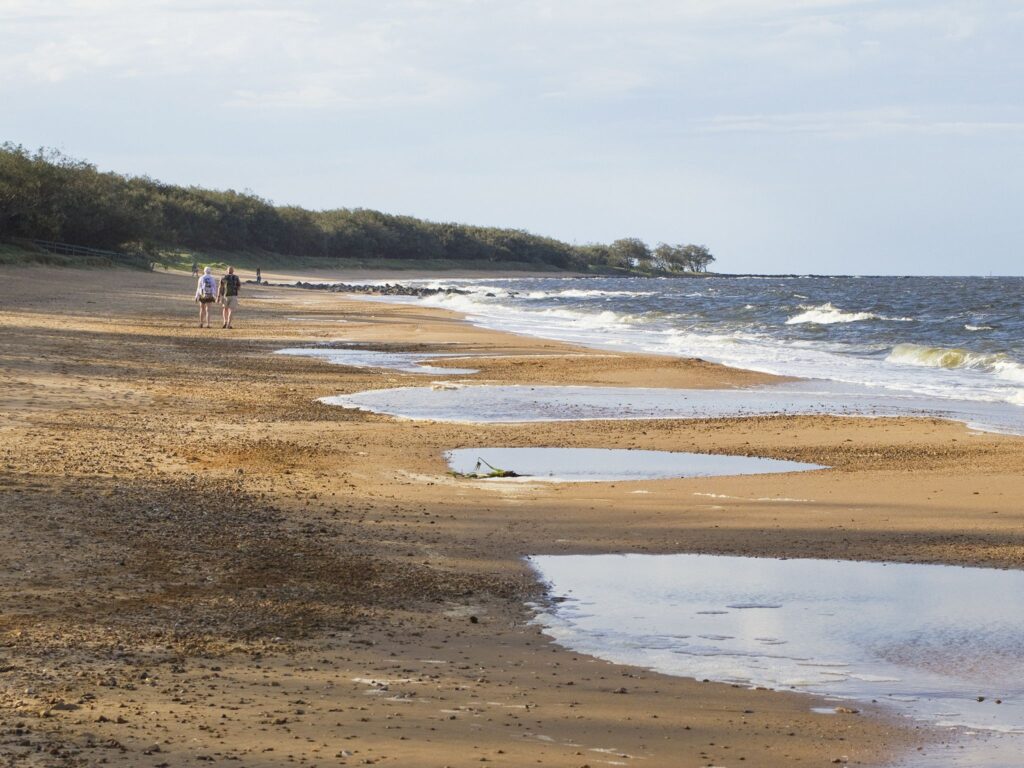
x: 182, y: 259
x: 267, y: 260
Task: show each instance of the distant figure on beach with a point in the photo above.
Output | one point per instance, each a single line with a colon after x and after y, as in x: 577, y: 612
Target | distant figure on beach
x: 259, y: 278
x: 228, y: 292
x: 206, y: 294
x: 195, y: 268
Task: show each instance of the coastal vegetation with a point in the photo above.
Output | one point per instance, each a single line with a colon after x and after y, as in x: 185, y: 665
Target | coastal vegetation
x: 48, y: 196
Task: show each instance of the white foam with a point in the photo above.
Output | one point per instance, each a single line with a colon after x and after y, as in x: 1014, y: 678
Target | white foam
x: 827, y: 314
x: 576, y: 293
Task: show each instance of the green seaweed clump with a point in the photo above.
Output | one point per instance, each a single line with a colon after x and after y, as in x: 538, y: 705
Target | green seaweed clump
x: 476, y: 474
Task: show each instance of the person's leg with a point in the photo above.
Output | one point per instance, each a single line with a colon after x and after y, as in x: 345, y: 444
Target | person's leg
x: 204, y: 313
x: 224, y: 313
x: 227, y: 313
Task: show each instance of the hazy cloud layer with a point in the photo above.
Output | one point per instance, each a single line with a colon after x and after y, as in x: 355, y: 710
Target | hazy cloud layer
x: 857, y: 123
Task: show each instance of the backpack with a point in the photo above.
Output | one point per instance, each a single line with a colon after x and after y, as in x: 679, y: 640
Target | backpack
x: 206, y: 289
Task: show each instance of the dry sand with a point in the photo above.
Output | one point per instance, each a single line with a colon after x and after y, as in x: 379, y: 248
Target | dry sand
x: 201, y: 563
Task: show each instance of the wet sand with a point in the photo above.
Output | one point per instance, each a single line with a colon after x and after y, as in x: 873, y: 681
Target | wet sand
x: 201, y: 563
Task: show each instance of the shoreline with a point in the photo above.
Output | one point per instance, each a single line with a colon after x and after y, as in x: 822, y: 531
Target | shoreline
x: 978, y: 390
x: 354, y: 544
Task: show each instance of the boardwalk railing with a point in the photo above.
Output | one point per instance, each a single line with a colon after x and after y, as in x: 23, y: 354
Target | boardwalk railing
x: 67, y: 249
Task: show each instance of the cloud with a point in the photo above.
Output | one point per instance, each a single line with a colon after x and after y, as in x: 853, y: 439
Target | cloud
x: 84, y: 39
x: 351, y: 90
x: 389, y: 54
x: 308, y: 96
x: 854, y: 124
x: 54, y: 62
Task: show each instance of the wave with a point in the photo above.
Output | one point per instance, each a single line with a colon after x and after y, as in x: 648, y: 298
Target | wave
x: 596, y: 320
x: 493, y: 290
x: 577, y: 293
x: 969, y: 327
x: 534, y: 319
x: 827, y: 314
x: 876, y: 360
x: 954, y: 358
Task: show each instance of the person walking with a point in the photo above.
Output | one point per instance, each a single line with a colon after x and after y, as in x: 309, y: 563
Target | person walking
x: 195, y: 268
x: 206, y: 294
x: 259, y: 276
x: 228, y: 295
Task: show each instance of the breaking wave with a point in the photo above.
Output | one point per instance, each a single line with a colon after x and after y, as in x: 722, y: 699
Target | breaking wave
x: 576, y: 293
x: 827, y: 314
x: 952, y: 358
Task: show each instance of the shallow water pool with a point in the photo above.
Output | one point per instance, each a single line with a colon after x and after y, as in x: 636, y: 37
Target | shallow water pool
x: 942, y: 644
x: 573, y: 465
x: 492, y: 403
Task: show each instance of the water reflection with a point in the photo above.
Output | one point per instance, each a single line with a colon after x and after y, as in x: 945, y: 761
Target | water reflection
x: 597, y: 464
x: 940, y: 643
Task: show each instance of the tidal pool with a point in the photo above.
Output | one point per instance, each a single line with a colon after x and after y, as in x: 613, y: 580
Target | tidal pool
x: 487, y: 403
x: 573, y: 465
x: 942, y: 644
x: 406, y: 362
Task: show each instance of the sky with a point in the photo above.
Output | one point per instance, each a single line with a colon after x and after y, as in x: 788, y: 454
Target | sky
x: 789, y: 136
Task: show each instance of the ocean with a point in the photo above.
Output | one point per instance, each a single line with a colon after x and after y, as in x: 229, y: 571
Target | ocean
x: 959, y: 338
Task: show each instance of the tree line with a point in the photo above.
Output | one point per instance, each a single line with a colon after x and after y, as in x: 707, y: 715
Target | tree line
x: 50, y: 196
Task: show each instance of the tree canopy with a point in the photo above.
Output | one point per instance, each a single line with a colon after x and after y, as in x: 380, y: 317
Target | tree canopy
x: 47, y: 195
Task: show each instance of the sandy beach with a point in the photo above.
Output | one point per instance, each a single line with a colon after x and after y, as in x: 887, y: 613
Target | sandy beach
x: 203, y: 564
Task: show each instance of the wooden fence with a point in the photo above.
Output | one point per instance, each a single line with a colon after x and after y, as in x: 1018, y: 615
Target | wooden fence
x: 139, y: 260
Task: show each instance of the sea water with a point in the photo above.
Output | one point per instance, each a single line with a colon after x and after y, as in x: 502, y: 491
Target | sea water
x: 916, y: 638
x: 956, y: 338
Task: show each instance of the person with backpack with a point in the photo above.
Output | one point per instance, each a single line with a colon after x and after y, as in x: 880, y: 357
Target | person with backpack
x: 228, y: 295
x: 206, y: 294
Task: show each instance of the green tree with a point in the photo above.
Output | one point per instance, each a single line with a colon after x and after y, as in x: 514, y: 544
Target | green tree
x: 21, y: 202
x: 697, y: 257
x: 630, y: 253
